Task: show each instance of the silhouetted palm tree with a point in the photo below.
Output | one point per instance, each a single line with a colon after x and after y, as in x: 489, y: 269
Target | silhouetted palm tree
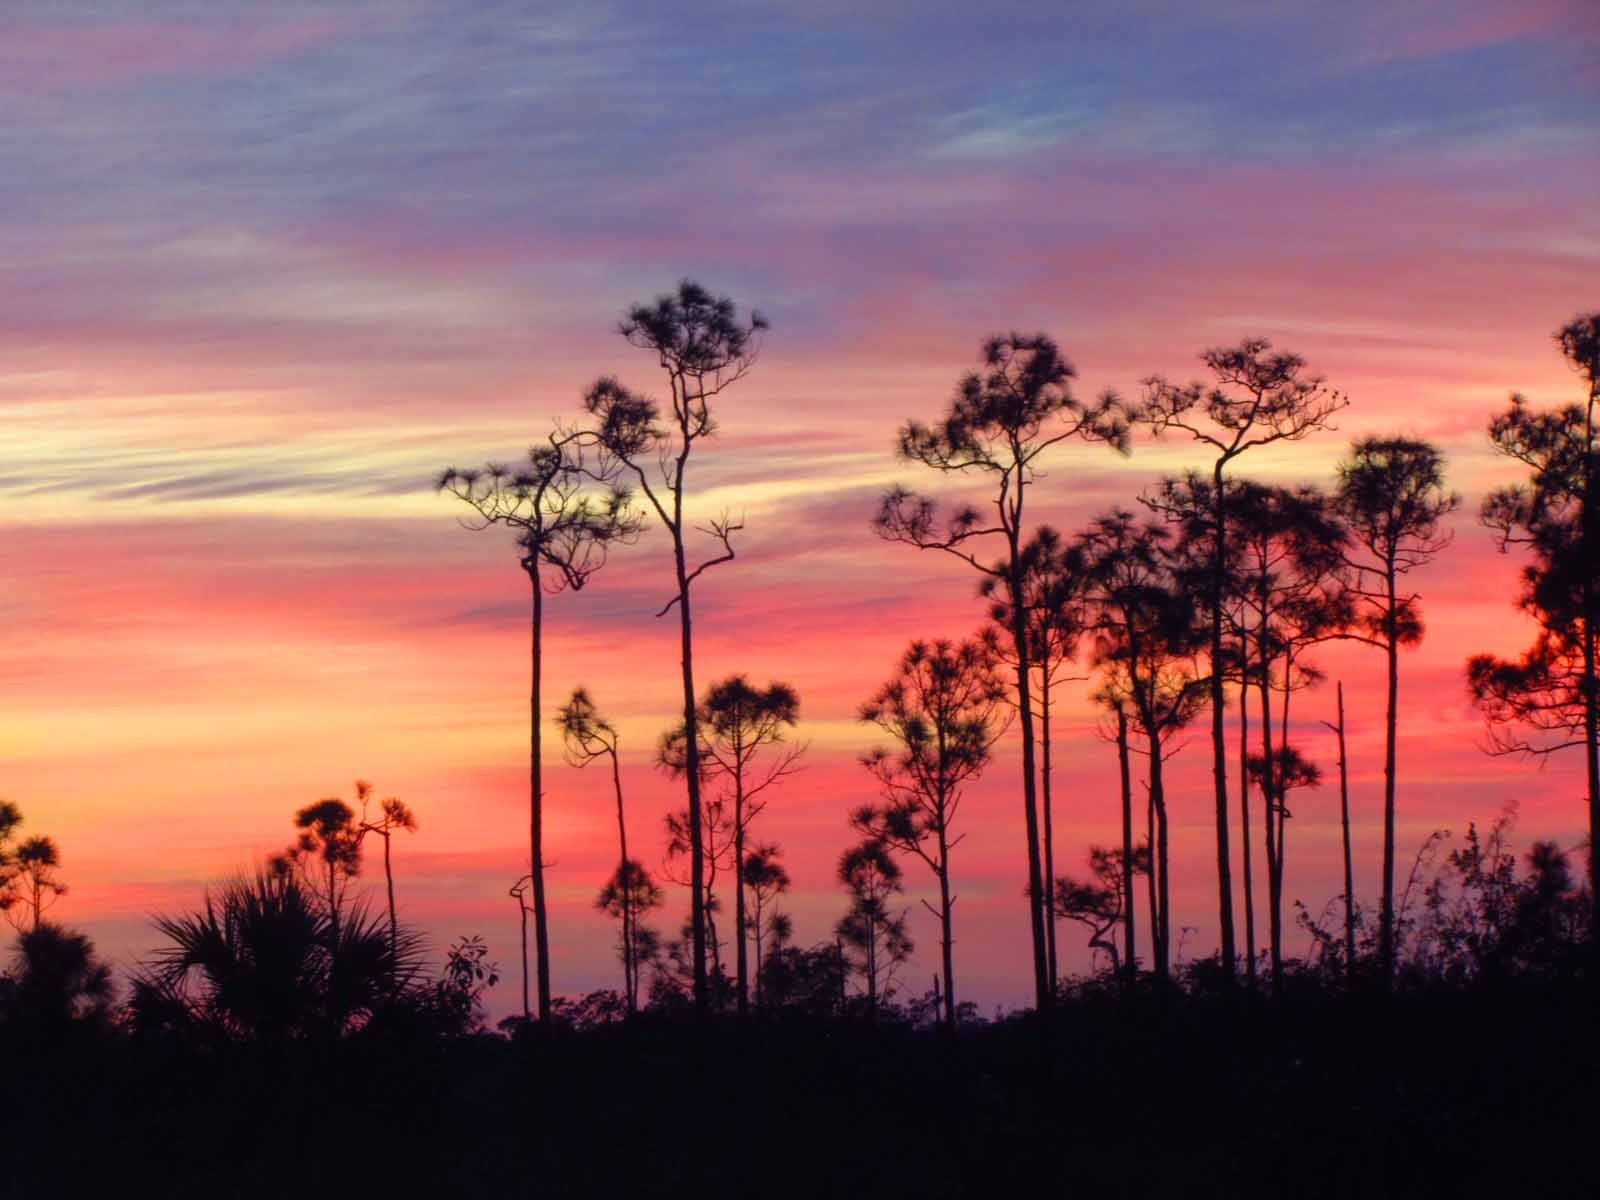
x: 265, y: 959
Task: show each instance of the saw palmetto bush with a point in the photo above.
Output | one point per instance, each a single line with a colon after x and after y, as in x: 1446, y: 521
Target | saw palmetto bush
x: 263, y: 958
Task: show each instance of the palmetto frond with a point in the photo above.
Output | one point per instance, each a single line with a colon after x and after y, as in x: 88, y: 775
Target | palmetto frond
x: 263, y: 958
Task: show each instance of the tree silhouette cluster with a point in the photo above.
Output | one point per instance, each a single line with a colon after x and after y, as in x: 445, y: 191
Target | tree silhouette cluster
x: 1213, y: 603
x: 1227, y: 586
x: 1211, y: 599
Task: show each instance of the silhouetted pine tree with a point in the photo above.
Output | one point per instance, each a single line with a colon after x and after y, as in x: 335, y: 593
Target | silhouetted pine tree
x: 564, y: 528
x: 34, y: 882
x: 703, y: 347
x: 1288, y: 554
x: 1000, y: 424
x: 743, y: 732
x: 766, y: 878
x: 1097, y: 902
x: 630, y: 895
x: 327, y: 854
x: 10, y: 822
x: 1109, y: 696
x: 590, y: 737
x: 1344, y: 839
x: 1256, y: 398
x: 1392, y: 499
x: 1142, y: 622
x: 1051, y: 590
x: 393, y: 815
x: 872, y: 928
x: 1553, y: 691
x: 943, y: 710
x: 716, y: 855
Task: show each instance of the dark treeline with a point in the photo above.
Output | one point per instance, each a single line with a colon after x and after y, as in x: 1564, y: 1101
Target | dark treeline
x: 1202, y: 602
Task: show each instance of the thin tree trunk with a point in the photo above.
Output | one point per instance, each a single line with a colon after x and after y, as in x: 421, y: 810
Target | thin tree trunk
x: 1153, y: 894
x: 1590, y: 540
x: 872, y: 968
x: 1125, y: 770
x: 1219, y: 748
x: 741, y: 965
x: 394, y: 924
x: 630, y: 972
x: 1269, y: 795
x: 844, y: 975
x: 713, y: 941
x: 541, y: 919
x: 1283, y: 784
x: 629, y: 990
x: 946, y: 936
x: 1349, y: 868
x: 527, y: 1008
x: 1244, y: 818
x: 1158, y: 800
x: 757, y: 940
x: 1044, y: 991
x: 697, y: 866
x: 1387, y: 915
x: 1049, y: 831
x: 1591, y: 733
x: 333, y: 907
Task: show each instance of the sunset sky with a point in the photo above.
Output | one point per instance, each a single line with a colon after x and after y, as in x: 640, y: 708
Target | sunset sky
x: 264, y: 270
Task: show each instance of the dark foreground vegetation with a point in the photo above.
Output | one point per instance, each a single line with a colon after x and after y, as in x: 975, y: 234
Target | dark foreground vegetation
x: 261, y: 1052
x: 1488, y: 1091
